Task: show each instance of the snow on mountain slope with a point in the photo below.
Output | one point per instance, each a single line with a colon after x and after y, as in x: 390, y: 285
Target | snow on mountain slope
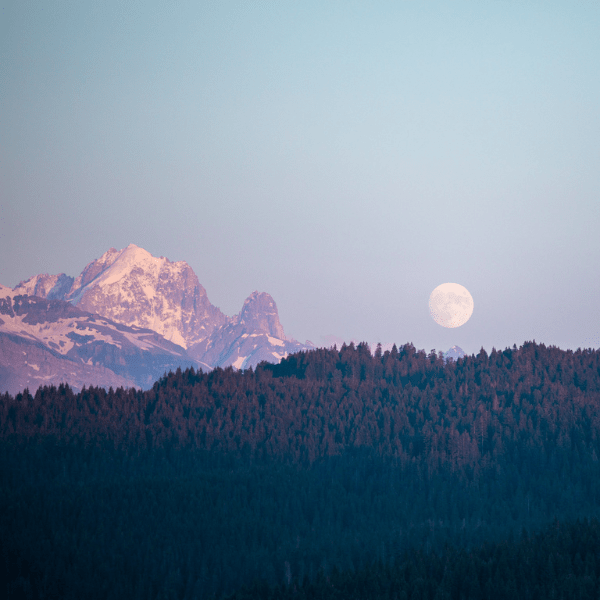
x: 27, y: 363
x: 6, y: 291
x: 135, y: 288
x: 46, y: 286
x: 136, y: 356
x: 59, y: 324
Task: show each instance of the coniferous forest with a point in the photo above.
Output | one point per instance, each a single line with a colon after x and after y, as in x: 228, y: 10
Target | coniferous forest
x: 335, y: 474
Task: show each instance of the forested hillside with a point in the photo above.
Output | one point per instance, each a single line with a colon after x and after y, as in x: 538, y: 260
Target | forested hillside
x: 561, y: 561
x: 331, y: 464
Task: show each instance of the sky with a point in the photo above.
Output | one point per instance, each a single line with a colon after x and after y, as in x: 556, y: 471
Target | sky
x: 346, y: 157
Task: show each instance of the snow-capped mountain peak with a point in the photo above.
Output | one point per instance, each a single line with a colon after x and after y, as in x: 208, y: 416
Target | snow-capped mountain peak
x: 135, y: 288
x: 112, y: 267
x: 455, y: 353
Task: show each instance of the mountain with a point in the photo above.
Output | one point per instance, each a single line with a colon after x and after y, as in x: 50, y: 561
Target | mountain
x: 454, y: 353
x: 46, y: 286
x: 133, y: 287
x: 254, y: 335
x: 45, y: 342
x: 141, y: 316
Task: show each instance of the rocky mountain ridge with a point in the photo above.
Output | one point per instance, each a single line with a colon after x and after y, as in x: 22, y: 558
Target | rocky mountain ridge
x: 132, y: 287
x: 131, y: 295
x: 48, y: 341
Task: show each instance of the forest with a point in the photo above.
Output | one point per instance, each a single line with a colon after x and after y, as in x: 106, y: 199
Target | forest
x: 337, y: 473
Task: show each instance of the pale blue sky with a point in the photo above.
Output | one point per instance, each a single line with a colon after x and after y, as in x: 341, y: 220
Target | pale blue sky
x: 346, y: 157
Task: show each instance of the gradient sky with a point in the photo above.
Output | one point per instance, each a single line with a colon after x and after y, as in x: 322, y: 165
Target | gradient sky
x: 346, y: 157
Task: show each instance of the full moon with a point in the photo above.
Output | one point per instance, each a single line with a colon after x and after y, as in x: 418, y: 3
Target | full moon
x: 450, y: 305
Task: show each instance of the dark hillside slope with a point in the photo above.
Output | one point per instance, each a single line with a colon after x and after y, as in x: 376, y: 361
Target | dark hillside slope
x: 329, y: 459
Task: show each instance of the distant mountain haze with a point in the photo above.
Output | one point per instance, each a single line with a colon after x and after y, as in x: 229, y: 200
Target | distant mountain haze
x: 155, y: 316
x: 455, y: 353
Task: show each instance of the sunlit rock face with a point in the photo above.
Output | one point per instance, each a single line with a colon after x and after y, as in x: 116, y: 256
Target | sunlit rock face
x: 133, y: 287
x: 252, y: 336
x: 259, y: 313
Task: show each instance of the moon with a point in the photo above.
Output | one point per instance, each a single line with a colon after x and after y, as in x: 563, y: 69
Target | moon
x: 451, y: 305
